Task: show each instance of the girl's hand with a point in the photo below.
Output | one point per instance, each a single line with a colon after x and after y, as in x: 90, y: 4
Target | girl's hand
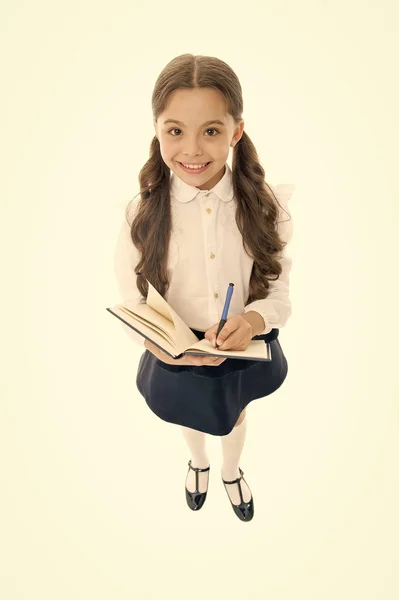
x: 198, y: 361
x: 235, y: 335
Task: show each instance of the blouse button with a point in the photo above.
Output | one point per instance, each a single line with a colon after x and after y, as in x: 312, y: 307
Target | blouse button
x: 208, y: 210
x: 216, y: 295
x: 212, y: 255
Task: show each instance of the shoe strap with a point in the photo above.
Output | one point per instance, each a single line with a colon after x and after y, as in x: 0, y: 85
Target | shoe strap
x: 238, y: 480
x: 235, y: 480
x: 197, y: 468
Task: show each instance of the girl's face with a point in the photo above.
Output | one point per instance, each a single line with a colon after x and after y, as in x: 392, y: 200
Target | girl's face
x: 192, y: 139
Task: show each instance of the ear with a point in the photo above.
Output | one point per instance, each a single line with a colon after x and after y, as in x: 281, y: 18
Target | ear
x: 237, y: 134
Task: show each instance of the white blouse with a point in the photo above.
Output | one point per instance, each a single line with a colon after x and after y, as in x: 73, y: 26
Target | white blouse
x: 206, y: 253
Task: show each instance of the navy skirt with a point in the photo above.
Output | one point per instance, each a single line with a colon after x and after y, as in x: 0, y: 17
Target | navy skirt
x: 206, y: 398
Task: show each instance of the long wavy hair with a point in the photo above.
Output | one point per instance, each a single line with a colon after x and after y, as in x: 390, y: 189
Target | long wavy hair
x: 256, y: 211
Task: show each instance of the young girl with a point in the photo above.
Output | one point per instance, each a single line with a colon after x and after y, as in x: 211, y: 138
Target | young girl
x: 196, y: 226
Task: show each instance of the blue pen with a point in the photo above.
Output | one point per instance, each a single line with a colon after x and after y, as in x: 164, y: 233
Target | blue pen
x: 223, y: 320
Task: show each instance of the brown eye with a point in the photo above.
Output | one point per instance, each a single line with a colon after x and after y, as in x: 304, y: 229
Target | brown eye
x: 209, y: 129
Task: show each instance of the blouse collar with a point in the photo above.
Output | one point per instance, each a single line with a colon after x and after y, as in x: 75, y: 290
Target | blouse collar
x: 184, y: 192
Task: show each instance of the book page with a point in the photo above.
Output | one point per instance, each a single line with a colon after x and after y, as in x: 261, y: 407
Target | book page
x: 149, y: 323
x: 256, y: 349
x: 184, y: 336
x: 155, y: 300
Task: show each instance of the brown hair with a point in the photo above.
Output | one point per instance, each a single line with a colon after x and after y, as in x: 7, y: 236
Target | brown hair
x: 256, y: 213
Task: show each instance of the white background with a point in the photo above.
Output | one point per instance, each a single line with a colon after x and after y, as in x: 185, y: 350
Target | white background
x: 92, y: 482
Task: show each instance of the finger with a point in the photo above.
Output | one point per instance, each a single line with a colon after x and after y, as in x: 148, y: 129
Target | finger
x: 232, y: 342
x: 235, y: 344
x: 196, y: 363
x: 225, y: 344
x: 225, y: 340
x: 206, y: 362
x: 215, y: 362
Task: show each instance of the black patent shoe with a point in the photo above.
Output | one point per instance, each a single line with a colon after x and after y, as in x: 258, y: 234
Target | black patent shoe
x: 196, y: 499
x: 244, y: 510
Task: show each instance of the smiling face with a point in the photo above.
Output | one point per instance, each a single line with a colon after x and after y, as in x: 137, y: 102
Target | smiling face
x: 196, y: 138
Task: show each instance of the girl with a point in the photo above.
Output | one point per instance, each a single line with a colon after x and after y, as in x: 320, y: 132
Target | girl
x: 196, y: 226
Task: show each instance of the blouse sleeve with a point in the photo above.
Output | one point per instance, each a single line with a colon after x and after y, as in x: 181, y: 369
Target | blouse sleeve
x: 276, y: 308
x: 126, y: 258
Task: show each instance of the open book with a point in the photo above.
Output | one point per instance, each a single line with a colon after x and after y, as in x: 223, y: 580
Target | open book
x: 160, y: 324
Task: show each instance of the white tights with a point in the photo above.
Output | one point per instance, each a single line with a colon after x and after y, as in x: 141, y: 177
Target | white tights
x: 232, y: 445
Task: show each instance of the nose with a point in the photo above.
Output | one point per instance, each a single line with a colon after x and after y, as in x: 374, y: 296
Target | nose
x: 192, y: 147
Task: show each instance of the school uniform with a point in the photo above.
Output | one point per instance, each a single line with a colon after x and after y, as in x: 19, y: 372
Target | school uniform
x: 206, y: 253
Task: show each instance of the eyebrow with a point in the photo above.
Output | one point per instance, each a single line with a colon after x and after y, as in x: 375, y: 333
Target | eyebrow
x: 203, y: 125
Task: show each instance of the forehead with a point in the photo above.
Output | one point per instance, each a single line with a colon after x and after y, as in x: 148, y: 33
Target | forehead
x: 195, y: 106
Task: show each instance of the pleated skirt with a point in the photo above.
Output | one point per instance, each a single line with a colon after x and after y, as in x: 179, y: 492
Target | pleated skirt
x: 206, y: 398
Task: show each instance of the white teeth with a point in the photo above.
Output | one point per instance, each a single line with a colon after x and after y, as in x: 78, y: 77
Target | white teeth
x: 194, y: 166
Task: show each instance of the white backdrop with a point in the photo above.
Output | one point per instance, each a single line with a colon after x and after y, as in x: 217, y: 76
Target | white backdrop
x: 92, y: 485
